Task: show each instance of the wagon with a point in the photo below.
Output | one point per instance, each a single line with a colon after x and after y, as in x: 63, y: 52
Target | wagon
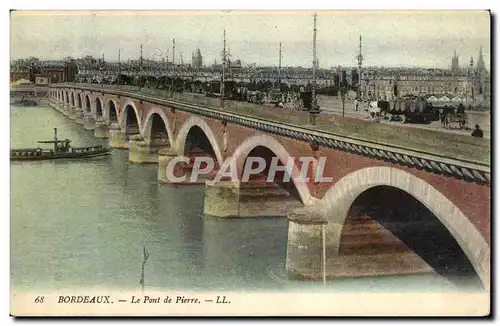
x: 461, y: 119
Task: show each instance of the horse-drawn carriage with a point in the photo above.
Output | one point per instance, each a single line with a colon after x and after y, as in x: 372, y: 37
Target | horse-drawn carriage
x: 409, y: 109
x: 451, y: 116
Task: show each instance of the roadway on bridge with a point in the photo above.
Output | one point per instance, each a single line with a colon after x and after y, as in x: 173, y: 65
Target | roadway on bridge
x: 332, y: 105
x: 423, y: 139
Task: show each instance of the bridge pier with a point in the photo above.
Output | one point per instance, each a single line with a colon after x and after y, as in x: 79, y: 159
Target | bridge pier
x: 88, y: 123
x: 117, y: 137
x: 80, y: 117
x: 58, y: 105
x: 65, y: 110
x: 304, y: 254
x: 249, y: 199
x: 140, y: 151
x: 74, y: 113
x: 179, y: 170
x: 165, y: 155
x: 357, y: 248
x: 101, y: 129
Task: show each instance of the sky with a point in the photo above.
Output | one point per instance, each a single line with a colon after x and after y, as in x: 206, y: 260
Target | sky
x: 390, y: 38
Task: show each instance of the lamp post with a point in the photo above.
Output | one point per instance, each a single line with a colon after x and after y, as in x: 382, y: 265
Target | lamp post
x: 343, y: 91
x: 314, y: 110
x: 119, y: 68
x: 101, y: 77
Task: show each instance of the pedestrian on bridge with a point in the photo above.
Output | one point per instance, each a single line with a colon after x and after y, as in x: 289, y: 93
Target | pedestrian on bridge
x: 477, y: 132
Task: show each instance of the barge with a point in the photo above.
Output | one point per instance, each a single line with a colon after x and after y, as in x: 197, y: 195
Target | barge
x: 61, y: 150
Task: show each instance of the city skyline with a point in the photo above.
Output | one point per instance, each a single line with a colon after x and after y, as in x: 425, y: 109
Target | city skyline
x: 390, y: 39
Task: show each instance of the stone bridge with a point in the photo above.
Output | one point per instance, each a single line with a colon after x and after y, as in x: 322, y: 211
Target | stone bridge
x: 387, y: 209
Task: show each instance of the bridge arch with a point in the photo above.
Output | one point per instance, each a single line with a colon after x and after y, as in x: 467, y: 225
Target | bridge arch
x: 72, y: 99
x: 273, y: 145
x: 130, y: 119
x: 87, y: 105
x: 111, y: 112
x: 338, y: 200
x: 151, y: 122
x: 182, y: 137
x: 98, y: 107
x: 66, y: 97
x: 79, y: 101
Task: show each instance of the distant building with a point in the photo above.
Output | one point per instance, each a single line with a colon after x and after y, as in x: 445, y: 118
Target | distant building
x: 413, y: 83
x: 17, y: 75
x: 343, y: 78
x: 41, y: 80
x: 354, y: 77
x: 235, y: 66
x: 481, y: 84
x: 197, y: 59
x: 71, y: 70
x: 56, y: 75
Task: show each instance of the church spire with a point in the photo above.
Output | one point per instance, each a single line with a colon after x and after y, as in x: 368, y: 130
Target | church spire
x: 480, y: 61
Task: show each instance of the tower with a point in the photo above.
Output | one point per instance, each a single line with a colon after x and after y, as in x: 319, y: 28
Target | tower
x: 481, y: 73
x: 480, y: 61
x: 454, y: 63
x: 197, y: 59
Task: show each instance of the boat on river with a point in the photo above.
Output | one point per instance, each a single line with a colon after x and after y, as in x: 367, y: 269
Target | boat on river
x: 61, y: 150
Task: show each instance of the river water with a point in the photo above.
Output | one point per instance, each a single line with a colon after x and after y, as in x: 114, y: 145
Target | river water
x: 83, y: 224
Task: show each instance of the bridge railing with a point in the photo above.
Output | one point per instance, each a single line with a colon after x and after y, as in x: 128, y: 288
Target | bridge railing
x: 424, y: 141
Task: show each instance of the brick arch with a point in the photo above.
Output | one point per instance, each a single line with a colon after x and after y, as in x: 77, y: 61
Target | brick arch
x: 335, y: 205
x: 148, y: 121
x: 122, y: 118
x: 183, y: 133
x: 106, y: 112
x: 79, y: 100
x: 94, y: 106
x: 271, y: 143
x: 84, y: 103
